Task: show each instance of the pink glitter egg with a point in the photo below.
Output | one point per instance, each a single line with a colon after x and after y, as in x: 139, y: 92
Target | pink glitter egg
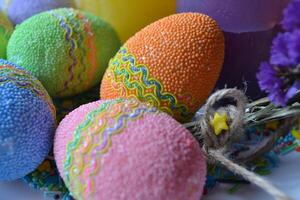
x: 123, y: 149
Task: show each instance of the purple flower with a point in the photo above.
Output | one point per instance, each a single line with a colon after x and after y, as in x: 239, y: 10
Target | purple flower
x: 291, y: 19
x: 281, y: 77
x: 285, y: 50
x: 271, y: 83
x: 280, y: 51
x: 293, y: 90
x: 281, y: 84
x: 294, y: 47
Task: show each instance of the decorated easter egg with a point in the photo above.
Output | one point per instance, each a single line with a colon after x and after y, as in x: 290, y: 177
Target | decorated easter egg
x: 66, y: 49
x: 236, y: 15
x: 19, y: 10
x: 172, y: 64
x: 116, y: 150
x: 27, y: 122
x: 130, y: 16
x: 6, y: 30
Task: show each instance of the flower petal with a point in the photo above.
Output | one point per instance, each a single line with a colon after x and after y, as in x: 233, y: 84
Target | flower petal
x: 271, y: 83
x: 291, y: 19
x: 280, y: 51
x: 294, y: 48
x: 293, y: 90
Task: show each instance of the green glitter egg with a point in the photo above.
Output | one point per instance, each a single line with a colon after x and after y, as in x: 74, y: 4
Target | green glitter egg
x: 66, y: 49
x: 6, y: 30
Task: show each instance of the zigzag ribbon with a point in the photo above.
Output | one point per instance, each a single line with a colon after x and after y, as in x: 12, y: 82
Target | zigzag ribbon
x: 93, y: 138
x: 24, y: 80
x: 134, y: 80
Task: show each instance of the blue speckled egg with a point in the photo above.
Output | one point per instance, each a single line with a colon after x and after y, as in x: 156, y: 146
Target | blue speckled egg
x: 19, y: 10
x: 27, y: 122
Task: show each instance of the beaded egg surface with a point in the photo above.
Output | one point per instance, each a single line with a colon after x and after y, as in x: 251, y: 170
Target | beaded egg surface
x: 27, y: 122
x: 116, y: 150
x: 66, y: 49
x: 172, y: 64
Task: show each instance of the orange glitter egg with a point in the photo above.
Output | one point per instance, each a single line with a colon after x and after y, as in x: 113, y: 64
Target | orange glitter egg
x: 172, y: 64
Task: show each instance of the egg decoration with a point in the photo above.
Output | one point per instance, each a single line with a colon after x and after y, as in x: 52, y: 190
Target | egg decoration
x: 66, y: 49
x: 6, y: 30
x: 116, y: 150
x: 19, y: 10
x: 27, y: 122
x: 130, y: 16
x: 172, y: 64
x: 238, y: 16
